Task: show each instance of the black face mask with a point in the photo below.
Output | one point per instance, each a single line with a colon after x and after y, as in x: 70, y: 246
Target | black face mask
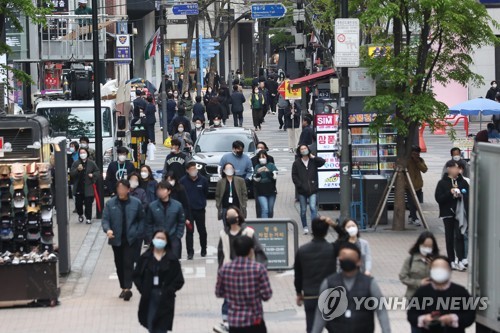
x: 238, y: 153
x: 348, y: 265
x: 232, y: 220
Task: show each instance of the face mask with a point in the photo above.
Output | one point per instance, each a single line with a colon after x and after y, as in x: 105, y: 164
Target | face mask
x: 440, y: 275
x: 262, y: 161
x: 237, y: 153
x: 425, y: 251
x: 193, y: 173
x: 173, y: 150
x: 229, y: 172
x: 456, y: 158
x: 256, y: 91
x: 186, y: 96
x: 172, y: 182
x: 134, y: 184
x: 83, y: 156
x: 352, y: 231
x: 305, y: 152
x: 144, y: 175
x: 72, y: 150
x: 494, y: 85
x: 159, y: 243
x: 197, y: 125
x: 348, y: 265
x: 180, y: 129
x: 122, y: 158
x: 216, y: 123
x: 176, y: 94
x: 232, y: 220
x: 84, y: 145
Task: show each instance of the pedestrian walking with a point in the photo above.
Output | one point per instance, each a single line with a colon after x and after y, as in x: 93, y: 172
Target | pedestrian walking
x: 264, y: 177
x: 352, y: 284
x: 198, y: 129
x: 292, y: 124
x: 452, y: 195
x: 493, y: 91
x: 148, y: 183
x: 430, y: 315
x: 257, y: 104
x: 118, y: 169
x: 272, y: 88
x: 175, y: 161
x: 214, y: 110
x: 179, y: 119
x: 158, y: 276
x: 230, y: 191
x: 237, y: 106
x: 136, y: 191
x: 84, y: 174
x: 180, y: 83
x: 198, y: 110
x: 416, y: 267
x: 265, y: 98
x: 171, y: 110
x: 240, y: 161
x: 282, y: 106
x: 123, y: 223
x: 197, y: 190
x: 224, y: 101
x: 456, y: 155
x: 150, y: 119
x: 314, y: 262
x: 85, y: 143
x: 244, y: 283
x: 261, y: 146
x: 416, y: 166
x: 208, y: 95
x: 167, y: 214
x: 185, y: 138
x: 187, y: 103
x: 307, y: 134
x: 305, y: 178
x: 139, y: 103
x: 217, y: 122
x: 351, y: 234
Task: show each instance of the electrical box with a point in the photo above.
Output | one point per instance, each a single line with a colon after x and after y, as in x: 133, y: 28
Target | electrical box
x: 300, y: 55
x: 334, y: 86
x: 299, y: 39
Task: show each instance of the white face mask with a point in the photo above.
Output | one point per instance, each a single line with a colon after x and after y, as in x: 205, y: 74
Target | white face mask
x: 180, y: 129
x: 144, y: 175
x: 134, y: 184
x: 494, y: 85
x: 193, y: 173
x: 425, y: 251
x: 229, y: 172
x: 172, y: 182
x: 197, y: 125
x: 440, y: 275
x: 262, y: 161
x: 216, y: 123
x: 83, y: 156
x: 122, y: 158
x: 84, y: 145
x: 352, y: 231
x: 456, y: 158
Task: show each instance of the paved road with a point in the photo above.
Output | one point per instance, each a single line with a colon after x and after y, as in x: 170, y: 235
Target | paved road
x: 89, y: 300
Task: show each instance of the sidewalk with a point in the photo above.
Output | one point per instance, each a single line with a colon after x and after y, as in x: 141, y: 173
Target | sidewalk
x: 89, y: 295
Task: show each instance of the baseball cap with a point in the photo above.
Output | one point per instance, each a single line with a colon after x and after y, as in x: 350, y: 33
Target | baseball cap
x: 19, y: 201
x: 5, y: 197
x: 33, y: 195
x: 19, y: 237
x: 32, y: 169
x: 18, y: 170
x: 46, y: 197
x: 32, y: 183
x: 33, y: 235
x: 4, y: 170
x: 46, y: 213
x: 44, y: 183
x: 5, y: 211
x: 5, y: 183
x: 47, y: 232
x: 43, y: 168
x: 6, y: 234
x: 18, y: 184
x: 33, y: 209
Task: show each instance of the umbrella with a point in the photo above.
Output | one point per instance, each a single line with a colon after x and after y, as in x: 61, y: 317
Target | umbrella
x: 477, y: 106
x: 146, y: 83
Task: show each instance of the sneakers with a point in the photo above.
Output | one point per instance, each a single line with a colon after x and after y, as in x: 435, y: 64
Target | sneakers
x: 89, y: 222
x: 458, y: 266
x: 80, y: 218
x: 306, y: 230
x: 417, y: 222
x: 465, y: 262
x: 414, y: 221
x: 204, y: 252
x: 221, y: 328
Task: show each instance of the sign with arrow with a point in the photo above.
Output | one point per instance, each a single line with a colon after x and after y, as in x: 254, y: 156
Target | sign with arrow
x: 268, y: 10
x: 185, y: 9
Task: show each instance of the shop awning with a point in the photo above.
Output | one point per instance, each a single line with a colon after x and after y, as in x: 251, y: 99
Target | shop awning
x: 313, y: 78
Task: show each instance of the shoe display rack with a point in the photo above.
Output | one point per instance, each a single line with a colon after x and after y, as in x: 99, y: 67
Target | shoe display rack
x: 26, y: 230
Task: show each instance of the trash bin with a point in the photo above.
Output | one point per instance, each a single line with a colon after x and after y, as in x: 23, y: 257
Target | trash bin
x: 373, y: 190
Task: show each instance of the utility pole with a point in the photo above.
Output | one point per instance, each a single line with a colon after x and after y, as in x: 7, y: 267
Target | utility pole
x: 163, y: 92
x: 229, y: 21
x: 97, y: 103
x: 345, y: 157
x: 198, y: 57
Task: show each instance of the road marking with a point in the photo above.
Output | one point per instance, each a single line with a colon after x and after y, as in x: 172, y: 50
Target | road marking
x: 113, y: 276
x: 194, y: 272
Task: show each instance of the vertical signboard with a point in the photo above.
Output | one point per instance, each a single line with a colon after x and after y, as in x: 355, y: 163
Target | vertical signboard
x: 327, y: 142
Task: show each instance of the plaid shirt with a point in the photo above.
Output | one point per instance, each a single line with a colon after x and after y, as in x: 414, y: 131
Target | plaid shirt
x: 244, y: 283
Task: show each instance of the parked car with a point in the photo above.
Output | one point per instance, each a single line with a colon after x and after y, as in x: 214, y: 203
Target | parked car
x: 213, y: 143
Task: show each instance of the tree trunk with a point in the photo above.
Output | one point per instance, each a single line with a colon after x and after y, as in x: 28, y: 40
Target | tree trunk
x: 187, y: 53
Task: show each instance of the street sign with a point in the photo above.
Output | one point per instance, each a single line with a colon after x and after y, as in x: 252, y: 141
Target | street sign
x: 268, y: 10
x: 360, y: 83
x: 346, y: 42
x: 177, y: 62
x: 185, y: 9
x: 292, y: 93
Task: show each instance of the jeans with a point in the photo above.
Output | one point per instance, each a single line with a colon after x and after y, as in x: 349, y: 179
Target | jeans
x: 125, y: 256
x: 238, y: 119
x: 303, y: 208
x: 259, y: 328
x: 150, y: 132
x: 412, y: 206
x: 198, y: 219
x: 81, y: 200
x: 225, y: 310
x: 454, y: 239
x: 281, y: 116
x: 310, y: 306
x: 266, y: 205
x: 257, y: 117
x: 466, y: 244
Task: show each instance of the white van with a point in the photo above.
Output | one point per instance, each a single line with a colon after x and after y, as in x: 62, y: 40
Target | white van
x: 76, y: 118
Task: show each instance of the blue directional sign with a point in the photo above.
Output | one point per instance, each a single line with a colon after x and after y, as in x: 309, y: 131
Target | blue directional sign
x: 185, y: 9
x: 268, y: 10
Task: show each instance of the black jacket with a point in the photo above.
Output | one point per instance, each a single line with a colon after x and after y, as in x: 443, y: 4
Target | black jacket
x: 272, y: 87
x: 171, y: 280
x: 150, y: 114
x: 306, y: 136
x: 447, y: 202
x: 306, y: 179
x: 208, y: 96
x: 295, y: 121
x: 214, y: 109
x: 174, y: 125
x: 139, y: 103
x: 198, y: 112
x: 175, y: 163
x: 237, y: 100
x: 179, y: 194
x: 112, y: 174
x: 492, y: 92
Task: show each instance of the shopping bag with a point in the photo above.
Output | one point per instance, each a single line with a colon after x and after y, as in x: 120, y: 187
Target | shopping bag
x: 151, y: 151
x: 168, y: 142
x: 97, y: 198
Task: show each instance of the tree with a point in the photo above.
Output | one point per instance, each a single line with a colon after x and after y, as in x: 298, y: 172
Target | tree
x: 11, y: 11
x: 426, y: 41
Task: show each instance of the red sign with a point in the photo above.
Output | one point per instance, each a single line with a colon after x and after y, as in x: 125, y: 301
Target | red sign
x: 327, y: 122
x: 281, y: 89
x: 1, y: 142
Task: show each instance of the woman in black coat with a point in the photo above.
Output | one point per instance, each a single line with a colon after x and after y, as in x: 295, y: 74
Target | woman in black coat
x: 158, y: 276
x: 224, y: 103
x: 214, y: 109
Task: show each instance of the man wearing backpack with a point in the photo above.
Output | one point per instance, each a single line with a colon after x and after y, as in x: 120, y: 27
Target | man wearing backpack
x: 257, y: 103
